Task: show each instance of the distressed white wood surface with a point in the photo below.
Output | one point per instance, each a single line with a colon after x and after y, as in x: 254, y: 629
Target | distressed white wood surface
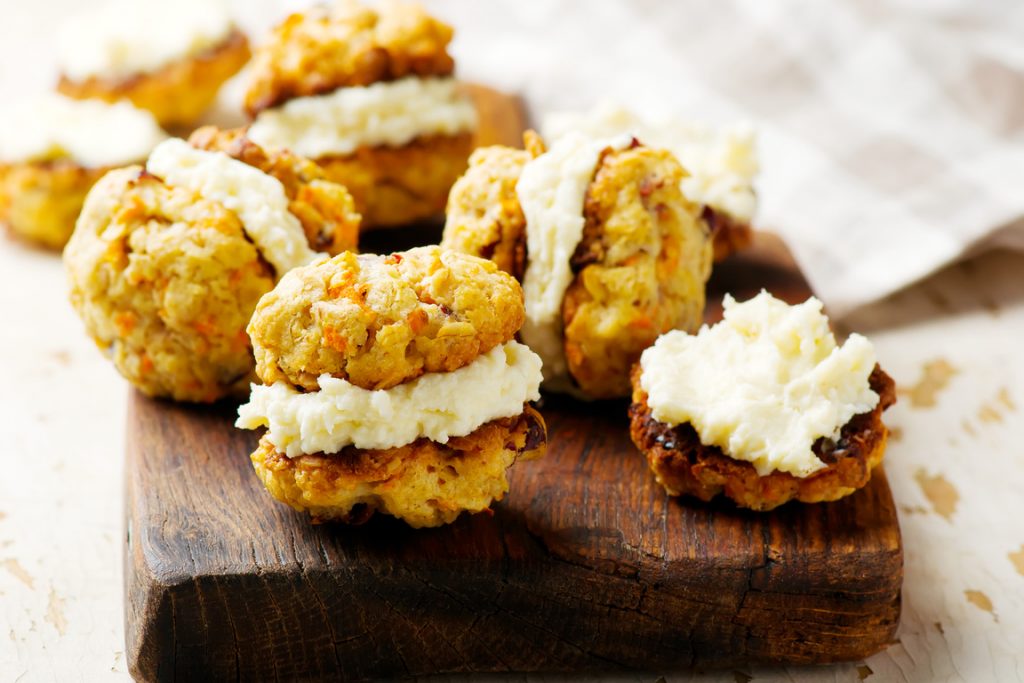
x: 956, y: 468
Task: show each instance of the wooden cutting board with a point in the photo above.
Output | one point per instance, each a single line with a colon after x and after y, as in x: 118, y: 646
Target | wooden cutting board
x: 586, y: 564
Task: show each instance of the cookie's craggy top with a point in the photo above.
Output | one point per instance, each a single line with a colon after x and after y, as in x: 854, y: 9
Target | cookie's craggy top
x: 685, y: 466
x: 166, y: 283
x: 346, y: 44
x: 378, y: 321
x: 424, y: 483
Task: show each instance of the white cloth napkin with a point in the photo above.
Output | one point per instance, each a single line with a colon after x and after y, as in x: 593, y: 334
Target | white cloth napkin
x: 892, y: 133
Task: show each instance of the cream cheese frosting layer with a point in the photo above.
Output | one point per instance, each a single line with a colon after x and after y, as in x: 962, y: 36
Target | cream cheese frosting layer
x: 391, y: 113
x: 763, y: 384
x: 436, y: 406
x: 259, y: 200
x: 722, y: 161
x: 91, y: 133
x: 125, y: 38
x: 551, y: 191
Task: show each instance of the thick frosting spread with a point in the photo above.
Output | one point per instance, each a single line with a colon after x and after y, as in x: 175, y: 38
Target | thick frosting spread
x: 90, y: 133
x: 258, y: 199
x: 764, y: 384
x: 391, y: 113
x: 551, y: 191
x: 722, y: 161
x: 123, y: 38
x: 436, y: 406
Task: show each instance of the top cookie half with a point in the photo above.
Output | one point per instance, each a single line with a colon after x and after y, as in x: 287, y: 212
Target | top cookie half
x: 346, y: 44
x: 379, y: 321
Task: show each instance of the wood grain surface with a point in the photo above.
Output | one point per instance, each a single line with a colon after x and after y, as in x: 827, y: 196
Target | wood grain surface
x: 586, y: 565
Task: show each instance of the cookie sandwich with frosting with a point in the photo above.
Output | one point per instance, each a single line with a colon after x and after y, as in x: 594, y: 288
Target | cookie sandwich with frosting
x: 610, y: 251
x: 721, y: 163
x: 369, y: 95
x: 392, y: 384
x: 170, y: 58
x: 53, y: 149
x: 762, y: 408
x: 168, y: 260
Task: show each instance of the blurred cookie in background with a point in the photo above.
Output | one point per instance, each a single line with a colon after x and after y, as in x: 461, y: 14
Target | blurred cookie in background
x: 53, y: 149
x: 370, y: 96
x: 169, y: 58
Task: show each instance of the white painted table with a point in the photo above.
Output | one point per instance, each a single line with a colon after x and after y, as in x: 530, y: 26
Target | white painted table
x: 956, y: 463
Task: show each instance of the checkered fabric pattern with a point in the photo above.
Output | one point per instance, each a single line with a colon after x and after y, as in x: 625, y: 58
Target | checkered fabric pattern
x: 891, y: 133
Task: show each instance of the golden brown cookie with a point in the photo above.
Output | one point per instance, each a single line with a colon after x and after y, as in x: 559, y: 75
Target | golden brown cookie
x: 40, y: 201
x: 346, y: 44
x: 178, y: 93
x: 166, y: 282
x: 378, y: 321
x: 425, y: 483
x: 325, y: 208
x: 685, y: 466
x: 640, y: 268
x: 401, y: 335
x: 484, y: 217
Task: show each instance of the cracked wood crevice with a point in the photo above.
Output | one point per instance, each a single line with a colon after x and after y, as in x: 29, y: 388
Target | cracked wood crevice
x: 325, y: 614
x: 217, y: 582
